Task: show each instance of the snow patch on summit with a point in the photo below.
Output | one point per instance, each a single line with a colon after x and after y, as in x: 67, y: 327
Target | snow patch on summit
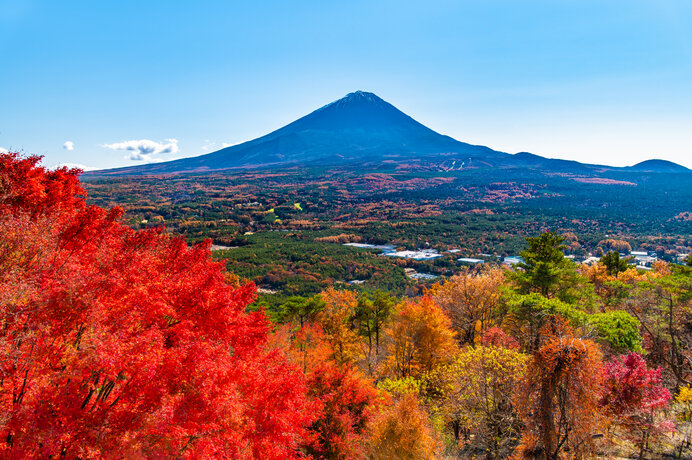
x: 356, y: 97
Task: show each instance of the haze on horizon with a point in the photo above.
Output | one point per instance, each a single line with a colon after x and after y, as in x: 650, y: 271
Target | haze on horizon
x: 107, y: 85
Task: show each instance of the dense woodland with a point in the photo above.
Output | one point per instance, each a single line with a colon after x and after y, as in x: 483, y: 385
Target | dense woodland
x: 121, y: 340
x: 286, y: 226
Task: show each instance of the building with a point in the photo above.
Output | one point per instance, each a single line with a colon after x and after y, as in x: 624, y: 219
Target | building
x: 643, y: 258
x: 512, y: 260
x: 471, y: 261
x: 421, y: 254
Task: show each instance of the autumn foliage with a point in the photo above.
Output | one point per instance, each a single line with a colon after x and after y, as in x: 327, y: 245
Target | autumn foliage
x: 420, y: 338
x: 346, y: 403
x: 388, y: 437
x: 478, y: 388
x: 559, y: 403
x: 633, y: 394
x: 118, y: 343
x: 470, y: 301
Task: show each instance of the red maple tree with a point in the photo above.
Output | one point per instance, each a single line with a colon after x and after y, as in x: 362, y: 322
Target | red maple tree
x: 346, y: 403
x: 632, y: 395
x: 123, y: 343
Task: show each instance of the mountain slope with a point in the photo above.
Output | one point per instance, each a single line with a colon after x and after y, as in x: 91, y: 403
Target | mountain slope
x: 662, y: 166
x: 364, y: 130
x: 358, y: 127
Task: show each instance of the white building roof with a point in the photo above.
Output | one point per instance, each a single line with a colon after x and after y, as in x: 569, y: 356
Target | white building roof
x: 471, y: 260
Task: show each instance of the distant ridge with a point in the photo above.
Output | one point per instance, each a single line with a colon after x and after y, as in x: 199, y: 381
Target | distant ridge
x: 361, y: 128
x: 663, y: 166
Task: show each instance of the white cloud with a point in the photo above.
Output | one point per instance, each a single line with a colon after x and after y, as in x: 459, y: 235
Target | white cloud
x: 228, y: 144
x: 145, y: 149
x: 78, y: 165
x: 3, y: 150
x: 69, y: 145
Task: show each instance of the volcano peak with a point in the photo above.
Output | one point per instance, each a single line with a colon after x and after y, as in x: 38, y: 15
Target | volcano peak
x: 359, y: 99
x: 359, y: 127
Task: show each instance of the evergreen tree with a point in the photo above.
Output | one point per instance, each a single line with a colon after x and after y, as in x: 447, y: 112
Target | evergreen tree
x: 544, y: 265
x: 614, y: 264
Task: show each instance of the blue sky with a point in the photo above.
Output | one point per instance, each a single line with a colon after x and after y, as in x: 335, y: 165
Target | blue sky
x: 605, y: 82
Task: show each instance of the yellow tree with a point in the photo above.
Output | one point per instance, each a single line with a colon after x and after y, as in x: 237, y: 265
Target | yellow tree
x: 614, y: 285
x: 420, y: 338
x: 402, y: 431
x: 470, y: 301
x: 683, y: 416
x: 598, y: 276
x: 478, y: 389
x: 335, y: 319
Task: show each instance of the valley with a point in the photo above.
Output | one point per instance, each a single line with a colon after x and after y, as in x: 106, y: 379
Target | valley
x: 346, y: 230
x: 288, y: 225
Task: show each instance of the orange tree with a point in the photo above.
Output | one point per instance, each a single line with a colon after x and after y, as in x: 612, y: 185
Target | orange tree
x: 470, y: 301
x: 402, y: 431
x: 559, y: 401
x: 335, y: 318
x: 420, y: 338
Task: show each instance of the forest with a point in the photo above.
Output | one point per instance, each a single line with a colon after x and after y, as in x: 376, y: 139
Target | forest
x: 122, y: 338
x: 286, y: 226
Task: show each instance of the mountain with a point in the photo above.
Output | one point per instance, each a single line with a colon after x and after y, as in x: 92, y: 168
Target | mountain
x: 662, y: 166
x: 360, y: 129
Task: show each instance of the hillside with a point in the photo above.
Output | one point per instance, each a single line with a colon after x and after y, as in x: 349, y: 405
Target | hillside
x: 662, y: 166
x: 365, y: 131
x: 139, y: 346
x: 358, y: 127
